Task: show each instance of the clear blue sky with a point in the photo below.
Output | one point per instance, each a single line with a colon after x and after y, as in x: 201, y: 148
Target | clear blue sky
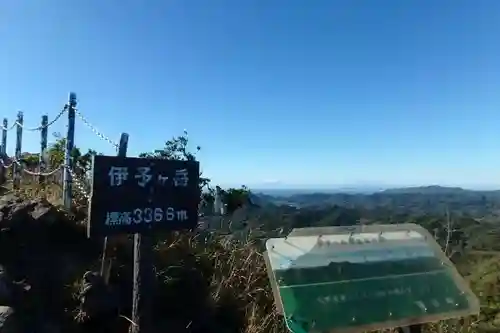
x: 317, y: 92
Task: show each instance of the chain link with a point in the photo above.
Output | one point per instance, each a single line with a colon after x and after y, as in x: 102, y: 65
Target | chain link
x: 79, y: 184
x: 43, y: 174
x: 38, y: 128
x: 7, y: 166
x: 8, y: 129
x: 76, y: 181
x: 29, y: 172
x: 50, y: 123
x: 95, y: 130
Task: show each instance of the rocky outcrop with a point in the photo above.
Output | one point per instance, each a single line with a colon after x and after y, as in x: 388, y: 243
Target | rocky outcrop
x: 47, y: 278
x: 42, y: 253
x: 48, y: 282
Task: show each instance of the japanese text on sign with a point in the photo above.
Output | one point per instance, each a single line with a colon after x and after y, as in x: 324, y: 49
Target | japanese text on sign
x: 136, y: 195
x: 364, y: 295
x: 143, y: 176
x: 145, y: 215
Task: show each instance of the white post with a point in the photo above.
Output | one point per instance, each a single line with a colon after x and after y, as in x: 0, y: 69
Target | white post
x: 218, y: 204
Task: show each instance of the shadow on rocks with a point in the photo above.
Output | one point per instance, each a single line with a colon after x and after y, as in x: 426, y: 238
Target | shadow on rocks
x: 46, y: 250
x: 99, y: 306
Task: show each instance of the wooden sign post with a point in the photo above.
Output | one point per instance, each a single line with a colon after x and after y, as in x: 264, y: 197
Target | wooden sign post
x: 139, y: 196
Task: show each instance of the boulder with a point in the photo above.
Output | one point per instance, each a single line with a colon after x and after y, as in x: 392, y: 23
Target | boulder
x: 43, y: 251
x: 35, y: 235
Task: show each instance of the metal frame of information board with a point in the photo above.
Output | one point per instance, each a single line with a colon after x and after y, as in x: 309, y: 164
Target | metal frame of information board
x: 472, y: 301
x: 274, y: 286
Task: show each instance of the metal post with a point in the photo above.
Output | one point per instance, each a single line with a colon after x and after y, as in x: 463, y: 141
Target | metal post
x: 16, y: 173
x: 122, y: 152
x: 43, y: 148
x: 3, y: 175
x: 70, y: 142
x: 143, y: 283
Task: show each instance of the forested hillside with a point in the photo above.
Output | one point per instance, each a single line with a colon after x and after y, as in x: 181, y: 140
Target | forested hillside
x: 412, y: 200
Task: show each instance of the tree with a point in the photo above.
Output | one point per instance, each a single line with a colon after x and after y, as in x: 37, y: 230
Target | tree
x: 81, y: 162
x: 235, y: 198
x: 177, y: 148
x: 31, y: 160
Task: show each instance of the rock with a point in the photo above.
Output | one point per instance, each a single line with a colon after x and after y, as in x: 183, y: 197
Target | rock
x: 17, y: 213
x: 8, y: 320
x: 35, y: 235
x: 47, y: 251
x: 5, y: 290
x: 11, y: 292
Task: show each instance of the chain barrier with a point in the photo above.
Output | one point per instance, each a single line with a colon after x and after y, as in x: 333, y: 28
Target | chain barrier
x: 11, y: 126
x: 38, y: 128
x: 79, y: 184
x: 29, y: 172
x: 43, y: 174
x: 6, y: 166
x: 59, y: 115
x: 95, y: 130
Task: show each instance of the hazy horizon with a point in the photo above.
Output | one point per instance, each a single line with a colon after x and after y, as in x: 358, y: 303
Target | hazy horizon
x: 358, y: 188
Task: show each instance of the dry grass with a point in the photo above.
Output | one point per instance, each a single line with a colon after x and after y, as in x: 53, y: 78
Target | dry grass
x: 51, y: 190
x: 239, y: 284
x: 224, y: 282
x: 210, y: 283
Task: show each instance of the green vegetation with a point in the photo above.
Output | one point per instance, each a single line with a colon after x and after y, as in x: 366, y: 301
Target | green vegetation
x: 224, y: 270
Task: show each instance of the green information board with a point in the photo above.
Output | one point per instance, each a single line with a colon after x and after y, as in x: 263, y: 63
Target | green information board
x: 350, y: 279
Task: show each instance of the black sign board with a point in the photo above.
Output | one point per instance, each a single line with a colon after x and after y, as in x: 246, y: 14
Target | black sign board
x: 135, y: 195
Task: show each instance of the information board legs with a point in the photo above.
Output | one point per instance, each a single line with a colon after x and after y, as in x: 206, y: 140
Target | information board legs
x: 143, y: 284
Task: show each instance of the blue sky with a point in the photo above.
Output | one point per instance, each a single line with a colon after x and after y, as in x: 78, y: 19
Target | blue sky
x: 277, y: 92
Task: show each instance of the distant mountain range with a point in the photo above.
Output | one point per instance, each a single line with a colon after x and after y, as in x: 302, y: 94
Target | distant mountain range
x: 283, y: 192
x: 416, y: 199
x: 430, y: 189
